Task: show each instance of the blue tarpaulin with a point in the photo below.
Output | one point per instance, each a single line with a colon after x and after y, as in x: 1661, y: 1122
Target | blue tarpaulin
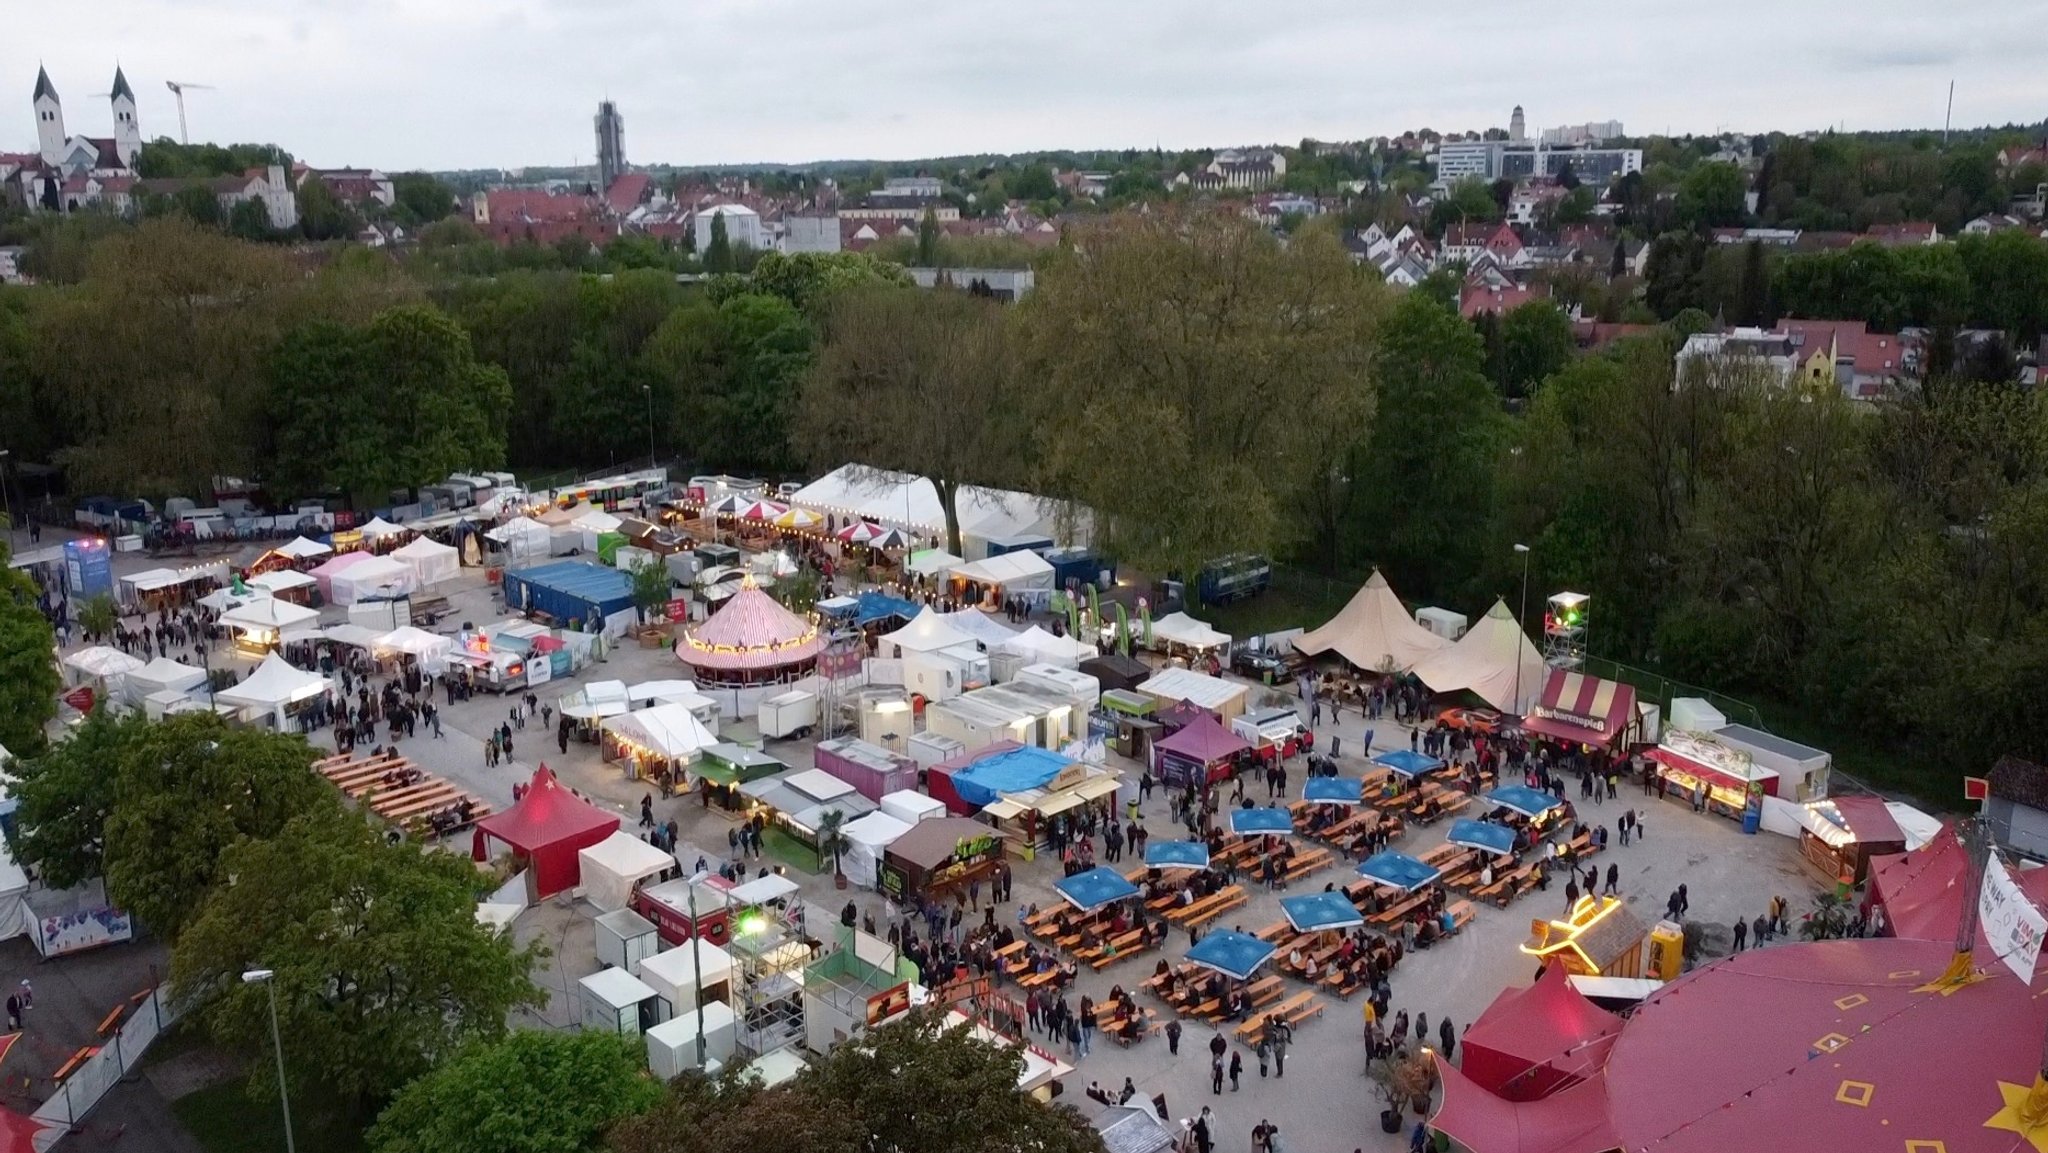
x: 1522, y: 799
x: 1408, y: 764
x: 880, y: 606
x: 1334, y: 790
x: 1312, y: 912
x: 1247, y: 821
x: 1483, y: 835
x: 1009, y: 771
x: 1398, y: 871
x: 569, y: 590
x: 1231, y: 953
x: 1176, y: 855
x: 1095, y: 888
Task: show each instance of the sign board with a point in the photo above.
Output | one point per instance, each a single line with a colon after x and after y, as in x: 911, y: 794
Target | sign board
x: 78, y: 931
x: 80, y: 698
x: 678, y: 610
x: 1976, y: 788
x: 1068, y: 777
x: 889, y: 1004
x: 2011, y: 922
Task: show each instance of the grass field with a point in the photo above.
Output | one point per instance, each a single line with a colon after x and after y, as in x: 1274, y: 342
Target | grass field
x: 224, y: 1118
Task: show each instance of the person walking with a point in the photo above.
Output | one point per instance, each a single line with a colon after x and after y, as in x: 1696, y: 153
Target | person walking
x: 1265, y: 1054
x: 1741, y: 933
x: 1282, y: 1034
x: 1571, y: 892
x: 1173, y: 1038
x: 647, y: 811
x: 1684, y: 902
x: 1236, y: 1067
x: 1761, y: 930
x: 1215, y: 1074
x: 13, y: 1012
x: 1447, y: 1038
x: 1613, y: 879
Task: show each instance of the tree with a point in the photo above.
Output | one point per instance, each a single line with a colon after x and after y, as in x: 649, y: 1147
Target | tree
x: 1536, y: 341
x: 29, y: 682
x: 651, y: 588
x: 379, y: 963
x: 735, y: 1115
x: 734, y: 372
x: 1754, y: 307
x: 99, y: 616
x: 66, y: 795
x: 718, y: 257
x: 420, y: 198
x: 322, y: 215
x: 807, y: 279
x: 918, y: 383
x: 833, y: 842
x: 1034, y: 182
x: 1712, y: 195
x: 186, y: 789
x: 249, y: 220
x: 928, y: 240
x: 527, y: 1092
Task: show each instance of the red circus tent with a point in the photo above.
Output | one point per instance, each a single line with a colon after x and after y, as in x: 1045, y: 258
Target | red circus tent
x: 1573, y: 1121
x: 1921, y: 891
x: 1532, y: 1042
x: 549, y: 826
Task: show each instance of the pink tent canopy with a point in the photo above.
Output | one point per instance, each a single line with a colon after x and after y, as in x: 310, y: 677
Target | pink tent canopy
x: 1574, y: 1121
x: 750, y: 633
x: 1203, y: 739
x: 325, y: 573
x: 550, y: 825
x: 1531, y: 1042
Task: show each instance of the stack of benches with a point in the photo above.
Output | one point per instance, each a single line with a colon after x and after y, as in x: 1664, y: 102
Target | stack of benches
x: 410, y: 807
x: 1208, y: 908
x: 1294, y: 1010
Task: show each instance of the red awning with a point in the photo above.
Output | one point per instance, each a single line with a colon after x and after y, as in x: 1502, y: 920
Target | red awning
x: 1583, y: 709
x: 1684, y: 764
x: 1869, y: 821
x: 550, y: 825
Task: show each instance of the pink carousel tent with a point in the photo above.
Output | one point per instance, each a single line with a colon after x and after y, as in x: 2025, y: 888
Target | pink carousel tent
x: 751, y: 638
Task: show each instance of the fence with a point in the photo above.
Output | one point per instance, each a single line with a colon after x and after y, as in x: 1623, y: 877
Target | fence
x: 1660, y: 690
x: 92, y: 1078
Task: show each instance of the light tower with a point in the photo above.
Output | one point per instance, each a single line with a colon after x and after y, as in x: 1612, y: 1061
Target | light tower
x: 1564, y: 630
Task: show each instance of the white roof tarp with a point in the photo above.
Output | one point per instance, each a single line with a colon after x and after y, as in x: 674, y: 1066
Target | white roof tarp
x: 161, y: 675
x: 378, y: 528
x: 659, y: 692
x: 275, y: 682
x: 613, y: 866
x: 432, y: 562
x: 103, y: 661
x: 282, y: 580
x: 597, y: 520
x: 1039, y: 646
x: 268, y: 613
x: 1485, y: 661
x: 911, y: 806
x: 931, y: 561
x: 356, y: 635
x: 299, y: 548
x: 669, y: 730
x: 1373, y: 632
x: 913, y: 503
x: 979, y: 625
x: 1182, y: 629
x: 523, y: 537
x: 1213, y: 693
x: 1011, y: 570
x: 870, y: 837
x: 927, y: 632
x: 377, y: 577
x: 417, y: 641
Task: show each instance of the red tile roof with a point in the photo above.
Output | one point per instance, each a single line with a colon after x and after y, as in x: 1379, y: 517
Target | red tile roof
x: 1480, y: 298
x: 535, y: 205
x: 628, y: 191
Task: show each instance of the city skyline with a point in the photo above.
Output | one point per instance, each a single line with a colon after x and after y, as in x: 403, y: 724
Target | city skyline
x: 403, y: 84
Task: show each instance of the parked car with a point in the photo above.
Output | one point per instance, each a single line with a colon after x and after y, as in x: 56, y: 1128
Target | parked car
x: 1473, y: 720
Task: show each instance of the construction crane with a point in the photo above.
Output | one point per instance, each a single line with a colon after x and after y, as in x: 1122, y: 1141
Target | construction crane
x: 178, y: 88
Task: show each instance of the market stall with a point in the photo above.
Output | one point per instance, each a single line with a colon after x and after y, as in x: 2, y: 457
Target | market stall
x: 1202, y: 752
x: 1035, y: 646
x: 547, y: 828
x: 1803, y: 771
x: 1735, y: 784
x: 162, y: 675
x: 430, y: 650
x: 285, y: 584
x: 522, y: 539
x: 260, y: 625
x: 934, y: 857
x: 870, y: 769
x: 799, y: 799
x: 334, y: 567
x: 1172, y: 686
x: 369, y: 578
x: 275, y: 693
x: 1008, y: 576
x: 431, y: 563
x: 615, y: 866
x: 968, y: 783
x: 1842, y: 836
x: 1598, y: 937
x: 870, y: 838
x: 1115, y: 671
x: 690, y: 975
x: 1124, y: 720
x: 682, y: 908
x: 381, y: 535
x: 157, y: 588
x: 658, y: 744
x: 1579, y: 709
x: 101, y: 665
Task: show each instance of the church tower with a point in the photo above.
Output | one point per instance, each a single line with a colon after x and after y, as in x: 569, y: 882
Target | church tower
x: 49, y: 119
x: 1518, y: 130
x: 127, y: 130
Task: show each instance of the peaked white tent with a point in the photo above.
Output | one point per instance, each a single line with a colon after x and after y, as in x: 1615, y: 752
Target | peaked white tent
x: 100, y: 661
x: 929, y: 632
x: 282, y: 580
x: 981, y: 626
x: 431, y: 563
x: 379, y: 528
x: 1037, y: 646
x: 1184, y: 630
x: 870, y: 836
x: 299, y: 548
x: 671, y: 731
x: 523, y: 537
x: 612, y: 868
x: 1485, y: 661
x: 379, y: 576
x: 430, y: 649
x: 1013, y: 572
x: 1373, y: 632
x: 161, y: 675
x: 267, y: 614
x: 272, y: 689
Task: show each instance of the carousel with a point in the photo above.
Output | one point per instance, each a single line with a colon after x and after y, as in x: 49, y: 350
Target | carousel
x: 750, y: 640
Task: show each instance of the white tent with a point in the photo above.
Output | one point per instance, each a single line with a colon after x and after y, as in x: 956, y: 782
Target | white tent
x: 911, y: 806
x: 1485, y: 662
x: 931, y: 561
x: 275, y: 685
x: 431, y: 563
x: 431, y: 650
x: 14, y: 911
x: 161, y: 675
x: 1224, y: 698
x: 102, y: 662
x: 597, y: 699
x: 644, y: 693
x: 1373, y: 632
x: 267, y: 614
x: 927, y: 633
x: 1184, y: 630
x: 676, y: 974
x: 1037, y: 646
x: 378, y: 577
x: 282, y: 580
x: 1013, y: 572
x: 523, y: 537
x: 870, y: 837
x: 669, y: 730
x: 615, y: 865
x: 913, y: 503
x: 299, y: 548
x: 379, y: 528
x: 979, y: 625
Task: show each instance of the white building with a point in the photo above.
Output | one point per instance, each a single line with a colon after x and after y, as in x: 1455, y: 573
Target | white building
x: 1593, y: 132
x: 742, y: 226
x: 805, y: 233
x: 67, y: 171
x: 1465, y: 160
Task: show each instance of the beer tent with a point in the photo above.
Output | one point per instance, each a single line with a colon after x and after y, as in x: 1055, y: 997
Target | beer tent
x: 549, y: 827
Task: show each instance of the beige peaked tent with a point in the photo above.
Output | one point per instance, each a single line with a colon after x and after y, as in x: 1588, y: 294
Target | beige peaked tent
x: 1373, y: 632
x: 1484, y: 661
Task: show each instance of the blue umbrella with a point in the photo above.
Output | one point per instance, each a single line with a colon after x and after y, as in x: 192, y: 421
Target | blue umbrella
x: 1398, y: 871
x: 1409, y: 764
x: 1312, y: 912
x: 1246, y: 822
x: 1095, y: 888
x: 1176, y: 855
x: 1231, y: 953
x: 1334, y: 790
x: 1522, y: 799
x: 1485, y: 835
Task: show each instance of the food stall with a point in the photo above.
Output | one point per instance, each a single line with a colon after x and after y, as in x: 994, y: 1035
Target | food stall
x: 797, y: 800
x: 939, y: 855
x: 1736, y: 784
x: 1840, y: 836
x: 678, y: 912
x: 1598, y: 937
x: 1170, y: 686
x: 260, y: 625
x: 725, y: 766
x: 1202, y: 752
x: 658, y: 744
x: 1802, y: 769
x: 871, y: 770
x: 1124, y: 720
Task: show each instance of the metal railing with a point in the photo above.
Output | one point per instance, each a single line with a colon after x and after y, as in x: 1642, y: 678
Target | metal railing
x: 117, y: 1056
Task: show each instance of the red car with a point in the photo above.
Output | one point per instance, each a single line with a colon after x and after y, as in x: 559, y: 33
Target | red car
x: 1473, y: 720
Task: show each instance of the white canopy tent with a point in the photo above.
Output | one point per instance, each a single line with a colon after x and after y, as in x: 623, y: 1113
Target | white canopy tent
x: 430, y: 649
x: 299, y: 548
x: 1037, y: 646
x: 100, y: 662
x: 597, y: 699
x: 1373, y: 632
x: 523, y: 537
x: 270, y: 691
x: 281, y: 581
x: 644, y: 693
x: 160, y: 676
x: 979, y: 625
x: 912, y: 502
x: 1184, y: 630
x: 267, y: 614
x: 1495, y: 661
x: 931, y: 562
x: 615, y: 865
x: 379, y: 528
x: 1224, y: 698
x: 597, y: 520
x: 1013, y: 572
x: 911, y: 806
x: 869, y: 836
x: 378, y: 577
x: 669, y: 730
x: 431, y: 563
x: 928, y: 632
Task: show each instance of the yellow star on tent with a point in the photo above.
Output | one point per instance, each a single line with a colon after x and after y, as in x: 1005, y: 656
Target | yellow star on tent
x: 2012, y: 1118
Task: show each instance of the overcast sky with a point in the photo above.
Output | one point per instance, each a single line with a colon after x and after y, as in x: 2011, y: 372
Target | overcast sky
x: 445, y: 84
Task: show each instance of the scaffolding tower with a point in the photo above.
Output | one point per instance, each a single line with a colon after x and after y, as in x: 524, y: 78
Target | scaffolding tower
x: 769, y: 950
x: 1564, y: 630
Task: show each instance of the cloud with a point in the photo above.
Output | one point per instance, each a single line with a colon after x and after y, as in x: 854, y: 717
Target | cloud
x: 451, y: 84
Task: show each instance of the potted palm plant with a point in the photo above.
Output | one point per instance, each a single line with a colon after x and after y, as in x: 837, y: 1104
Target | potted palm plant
x: 834, y: 843
x: 1402, y: 1080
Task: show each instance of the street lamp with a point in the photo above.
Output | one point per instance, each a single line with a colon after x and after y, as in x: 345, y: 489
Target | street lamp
x: 1521, y: 624
x: 264, y: 977
x: 696, y: 961
x: 648, y: 390
x: 6, y: 505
